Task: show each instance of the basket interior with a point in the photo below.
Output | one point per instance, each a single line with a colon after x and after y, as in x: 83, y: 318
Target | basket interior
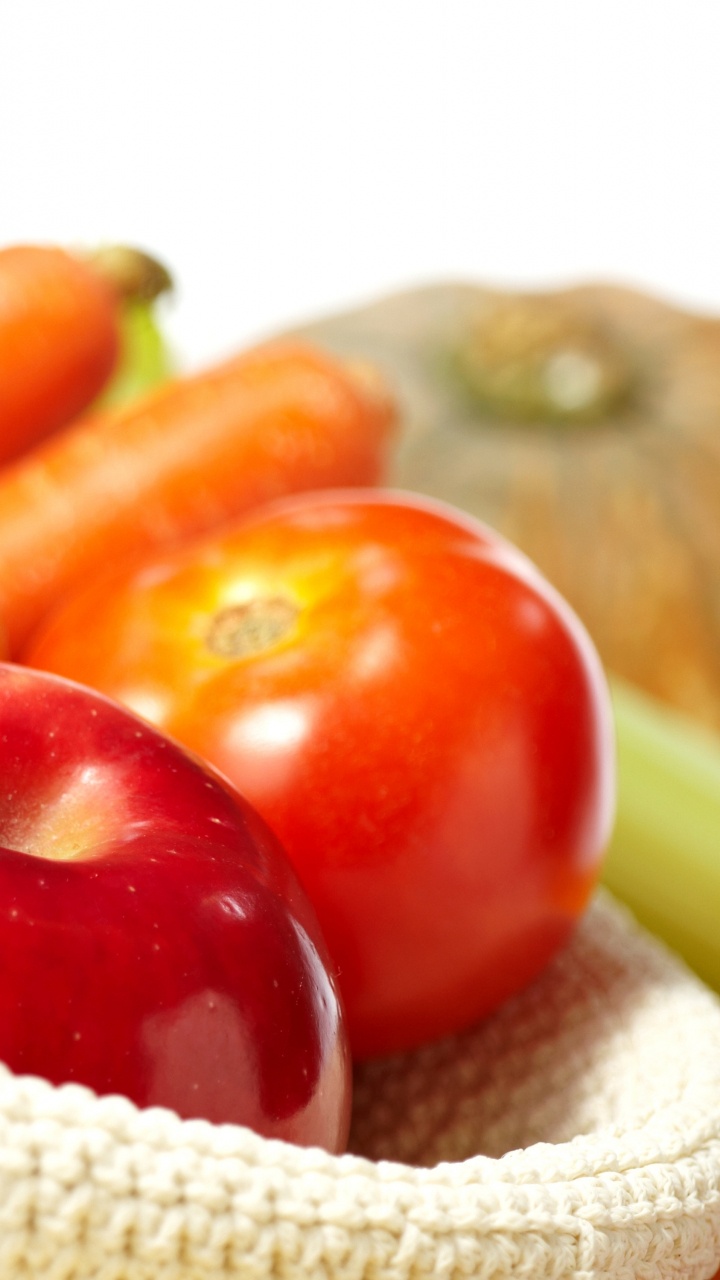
x: 611, y: 1036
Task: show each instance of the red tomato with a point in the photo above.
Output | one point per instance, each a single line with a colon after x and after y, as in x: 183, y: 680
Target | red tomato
x: 414, y: 710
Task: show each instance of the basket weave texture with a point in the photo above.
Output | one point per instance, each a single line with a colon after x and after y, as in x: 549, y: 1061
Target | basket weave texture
x: 574, y: 1134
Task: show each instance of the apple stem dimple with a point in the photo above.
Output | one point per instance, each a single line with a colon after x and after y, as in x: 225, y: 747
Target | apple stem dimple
x: 240, y: 630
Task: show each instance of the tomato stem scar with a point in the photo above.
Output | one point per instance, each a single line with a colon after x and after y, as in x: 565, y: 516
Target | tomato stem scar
x: 243, y: 629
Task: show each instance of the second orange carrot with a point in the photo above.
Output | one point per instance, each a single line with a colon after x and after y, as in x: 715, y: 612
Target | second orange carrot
x: 280, y: 418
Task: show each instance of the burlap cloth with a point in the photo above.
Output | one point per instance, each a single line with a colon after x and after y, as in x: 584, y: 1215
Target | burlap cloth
x: 575, y: 1134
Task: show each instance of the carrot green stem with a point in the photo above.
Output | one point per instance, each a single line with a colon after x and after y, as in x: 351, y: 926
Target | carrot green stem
x: 145, y: 360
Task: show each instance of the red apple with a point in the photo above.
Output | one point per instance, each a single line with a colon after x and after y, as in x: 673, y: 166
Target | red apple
x: 154, y: 941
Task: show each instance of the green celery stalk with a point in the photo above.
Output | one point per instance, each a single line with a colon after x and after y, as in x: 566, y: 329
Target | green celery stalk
x: 664, y: 857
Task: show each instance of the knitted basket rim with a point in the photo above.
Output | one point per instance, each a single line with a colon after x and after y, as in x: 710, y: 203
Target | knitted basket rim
x: 94, y: 1188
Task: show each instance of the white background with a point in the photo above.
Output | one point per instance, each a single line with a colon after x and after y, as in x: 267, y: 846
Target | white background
x: 288, y: 158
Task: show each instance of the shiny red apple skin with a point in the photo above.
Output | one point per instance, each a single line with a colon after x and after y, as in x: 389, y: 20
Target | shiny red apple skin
x: 154, y: 941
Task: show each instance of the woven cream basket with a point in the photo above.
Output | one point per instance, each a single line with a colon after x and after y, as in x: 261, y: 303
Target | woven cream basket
x: 594, y: 1100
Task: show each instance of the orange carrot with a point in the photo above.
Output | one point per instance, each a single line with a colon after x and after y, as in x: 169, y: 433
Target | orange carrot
x: 189, y: 456
x: 59, y: 340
